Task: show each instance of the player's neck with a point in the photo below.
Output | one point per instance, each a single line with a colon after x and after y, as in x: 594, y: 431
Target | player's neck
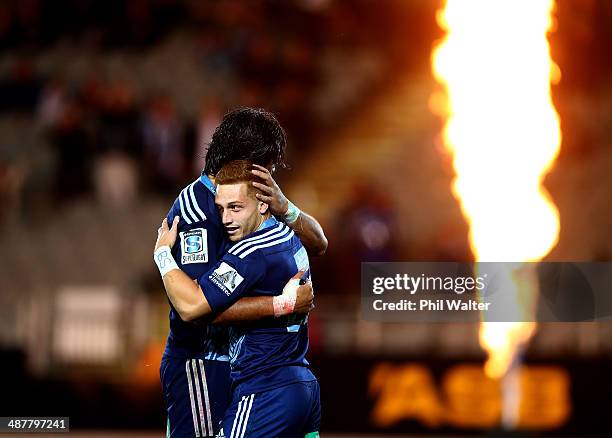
x: 262, y: 223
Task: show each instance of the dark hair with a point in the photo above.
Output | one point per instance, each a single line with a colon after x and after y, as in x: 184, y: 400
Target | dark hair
x: 250, y: 134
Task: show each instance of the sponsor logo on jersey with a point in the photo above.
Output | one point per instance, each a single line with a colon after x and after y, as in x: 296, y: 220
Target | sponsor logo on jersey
x: 194, y: 246
x: 301, y: 259
x: 226, y: 278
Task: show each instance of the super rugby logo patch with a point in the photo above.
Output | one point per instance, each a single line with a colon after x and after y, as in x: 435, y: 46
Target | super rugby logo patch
x: 226, y: 278
x: 194, y: 246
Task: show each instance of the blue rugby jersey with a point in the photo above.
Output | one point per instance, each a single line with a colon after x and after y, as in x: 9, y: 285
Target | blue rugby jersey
x: 269, y: 353
x: 199, y: 244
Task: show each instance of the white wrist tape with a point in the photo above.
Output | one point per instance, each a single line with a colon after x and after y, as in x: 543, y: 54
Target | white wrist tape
x: 164, y: 261
x: 292, y: 213
x: 285, y: 303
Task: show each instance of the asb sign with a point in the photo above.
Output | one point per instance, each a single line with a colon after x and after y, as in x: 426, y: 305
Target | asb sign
x: 466, y: 397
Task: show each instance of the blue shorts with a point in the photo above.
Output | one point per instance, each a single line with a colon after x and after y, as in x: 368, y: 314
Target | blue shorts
x: 291, y: 411
x: 197, y: 394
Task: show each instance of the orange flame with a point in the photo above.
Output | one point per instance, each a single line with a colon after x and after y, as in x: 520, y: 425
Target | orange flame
x: 503, y: 132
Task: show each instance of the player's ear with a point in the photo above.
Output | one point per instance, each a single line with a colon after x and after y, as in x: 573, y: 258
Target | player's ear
x: 262, y: 207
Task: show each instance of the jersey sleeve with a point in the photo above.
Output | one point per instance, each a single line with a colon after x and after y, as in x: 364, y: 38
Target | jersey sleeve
x: 170, y: 217
x: 178, y: 209
x: 230, y: 279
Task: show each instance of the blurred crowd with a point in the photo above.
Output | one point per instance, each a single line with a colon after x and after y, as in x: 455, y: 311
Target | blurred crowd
x: 118, y: 100
x: 72, y: 126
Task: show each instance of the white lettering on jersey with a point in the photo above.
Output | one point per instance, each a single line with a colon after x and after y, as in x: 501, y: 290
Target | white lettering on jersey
x: 226, y: 278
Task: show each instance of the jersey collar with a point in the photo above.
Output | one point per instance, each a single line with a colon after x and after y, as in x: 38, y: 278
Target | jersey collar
x: 208, y: 184
x: 270, y: 222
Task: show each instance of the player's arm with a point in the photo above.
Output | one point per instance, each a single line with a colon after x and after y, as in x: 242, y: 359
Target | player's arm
x: 185, y: 295
x: 190, y: 300
x: 305, y: 226
x: 254, y: 308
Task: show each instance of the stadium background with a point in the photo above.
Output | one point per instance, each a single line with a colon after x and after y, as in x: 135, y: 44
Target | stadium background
x: 104, y: 107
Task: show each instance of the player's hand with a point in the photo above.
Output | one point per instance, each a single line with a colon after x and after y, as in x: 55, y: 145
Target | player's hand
x: 271, y: 192
x: 304, y: 302
x: 165, y: 235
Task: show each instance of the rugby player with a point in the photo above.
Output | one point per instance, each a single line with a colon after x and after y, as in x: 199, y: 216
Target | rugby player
x: 274, y: 393
x: 194, y: 370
